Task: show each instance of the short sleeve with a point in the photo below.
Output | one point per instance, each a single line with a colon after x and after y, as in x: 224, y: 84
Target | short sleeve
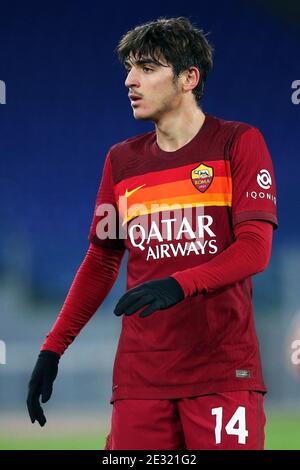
x: 253, y: 179
x: 105, y: 226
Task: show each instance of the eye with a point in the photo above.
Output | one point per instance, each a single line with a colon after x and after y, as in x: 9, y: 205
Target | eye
x: 127, y: 67
x: 147, y: 69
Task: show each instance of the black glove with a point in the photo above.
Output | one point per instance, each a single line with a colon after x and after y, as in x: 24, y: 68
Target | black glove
x: 159, y: 295
x: 41, y: 383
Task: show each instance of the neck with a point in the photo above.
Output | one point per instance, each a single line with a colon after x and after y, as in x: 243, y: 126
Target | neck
x: 178, y: 128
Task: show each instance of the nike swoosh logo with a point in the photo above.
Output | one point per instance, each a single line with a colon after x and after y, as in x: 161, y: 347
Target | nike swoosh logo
x: 128, y: 193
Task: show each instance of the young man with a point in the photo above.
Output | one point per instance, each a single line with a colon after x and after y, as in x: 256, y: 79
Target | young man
x: 195, y: 207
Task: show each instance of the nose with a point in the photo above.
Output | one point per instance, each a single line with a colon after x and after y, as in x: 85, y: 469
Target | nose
x: 132, y: 78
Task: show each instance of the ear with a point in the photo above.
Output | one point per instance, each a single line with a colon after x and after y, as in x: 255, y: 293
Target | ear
x: 190, y: 78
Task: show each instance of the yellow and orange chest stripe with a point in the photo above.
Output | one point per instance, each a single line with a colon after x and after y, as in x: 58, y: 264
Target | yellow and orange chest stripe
x: 156, y: 191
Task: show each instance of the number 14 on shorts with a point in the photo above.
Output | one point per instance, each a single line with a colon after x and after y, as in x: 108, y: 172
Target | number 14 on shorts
x: 235, y: 426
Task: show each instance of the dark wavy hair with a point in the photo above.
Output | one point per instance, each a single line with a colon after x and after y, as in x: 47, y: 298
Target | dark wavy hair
x: 177, y: 40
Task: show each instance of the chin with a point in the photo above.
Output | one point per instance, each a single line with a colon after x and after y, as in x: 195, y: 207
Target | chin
x: 143, y: 116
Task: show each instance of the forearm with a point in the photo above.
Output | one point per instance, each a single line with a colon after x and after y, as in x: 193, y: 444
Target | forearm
x: 93, y: 281
x: 248, y: 255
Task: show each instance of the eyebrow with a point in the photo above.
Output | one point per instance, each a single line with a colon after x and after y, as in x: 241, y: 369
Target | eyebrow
x: 143, y: 62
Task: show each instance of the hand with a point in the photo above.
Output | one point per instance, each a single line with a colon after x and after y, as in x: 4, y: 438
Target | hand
x: 159, y: 295
x: 41, y: 383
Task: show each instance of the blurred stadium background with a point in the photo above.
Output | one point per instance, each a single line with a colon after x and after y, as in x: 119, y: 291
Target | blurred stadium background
x: 66, y: 105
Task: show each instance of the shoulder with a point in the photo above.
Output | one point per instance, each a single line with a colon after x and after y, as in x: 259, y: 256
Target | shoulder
x: 127, y: 157
x: 130, y: 146
x: 233, y: 128
x: 228, y: 134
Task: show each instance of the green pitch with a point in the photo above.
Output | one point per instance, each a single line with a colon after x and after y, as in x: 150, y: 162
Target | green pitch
x: 283, y: 432
x: 84, y: 442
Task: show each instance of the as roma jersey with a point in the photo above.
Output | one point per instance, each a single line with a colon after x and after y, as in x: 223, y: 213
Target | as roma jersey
x: 173, y: 211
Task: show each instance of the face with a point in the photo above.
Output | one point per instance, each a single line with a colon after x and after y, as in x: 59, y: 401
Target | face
x: 152, y: 89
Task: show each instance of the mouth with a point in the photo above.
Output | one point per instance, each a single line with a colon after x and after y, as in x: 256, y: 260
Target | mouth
x: 135, y: 99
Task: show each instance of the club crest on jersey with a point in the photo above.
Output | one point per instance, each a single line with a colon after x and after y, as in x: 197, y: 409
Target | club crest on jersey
x: 202, y: 177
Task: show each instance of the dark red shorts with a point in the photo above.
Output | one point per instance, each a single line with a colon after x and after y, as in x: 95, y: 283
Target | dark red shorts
x: 229, y: 420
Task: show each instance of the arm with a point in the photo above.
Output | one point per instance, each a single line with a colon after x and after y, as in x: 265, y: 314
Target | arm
x: 247, y: 255
x: 93, y: 281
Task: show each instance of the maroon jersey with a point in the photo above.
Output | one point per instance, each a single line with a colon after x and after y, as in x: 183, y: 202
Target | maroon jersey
x: 177, y: 210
